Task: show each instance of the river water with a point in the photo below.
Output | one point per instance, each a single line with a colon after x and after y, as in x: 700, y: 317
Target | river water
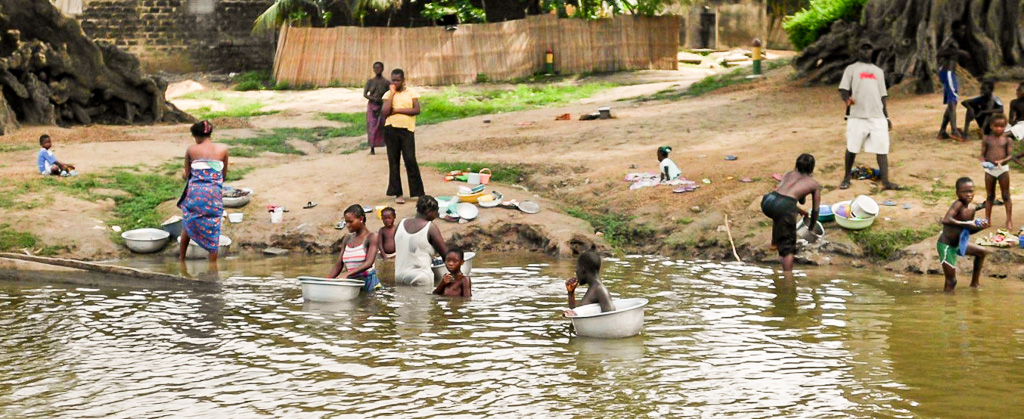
x: 720, y: 340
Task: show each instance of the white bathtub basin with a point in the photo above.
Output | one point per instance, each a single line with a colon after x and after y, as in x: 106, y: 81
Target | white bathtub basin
x: 145, y: 240
x: 327, y: 290
x: 627, y: 319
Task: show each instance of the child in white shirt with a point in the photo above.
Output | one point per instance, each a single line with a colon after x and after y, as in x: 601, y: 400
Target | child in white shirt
x: 669, y: 170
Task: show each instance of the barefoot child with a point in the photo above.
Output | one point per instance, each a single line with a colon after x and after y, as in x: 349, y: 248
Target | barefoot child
x: 996, y: 152
x: 981, y: 109
x: 1017, y: 114
x: 386, y: 235
x: 781, y: 206
x: 47, y: 162
x: 454, y: 283
x: 669, y: 170
x: 957, y: 226
x: 587, y: 268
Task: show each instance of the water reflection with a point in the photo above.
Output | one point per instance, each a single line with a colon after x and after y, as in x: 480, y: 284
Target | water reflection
x: 720, y: 340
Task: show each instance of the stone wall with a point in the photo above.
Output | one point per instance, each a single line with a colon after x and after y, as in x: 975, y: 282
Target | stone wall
x: 169, y: 35
x: 737, y: 22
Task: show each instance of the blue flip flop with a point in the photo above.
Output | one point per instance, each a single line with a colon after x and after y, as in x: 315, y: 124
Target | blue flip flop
x: 889, y: 203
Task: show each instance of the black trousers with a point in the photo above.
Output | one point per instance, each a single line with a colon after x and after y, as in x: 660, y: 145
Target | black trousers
x: 401, y: 144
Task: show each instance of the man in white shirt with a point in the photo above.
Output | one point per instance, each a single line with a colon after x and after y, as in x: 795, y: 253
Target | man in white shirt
x: 867, y: 125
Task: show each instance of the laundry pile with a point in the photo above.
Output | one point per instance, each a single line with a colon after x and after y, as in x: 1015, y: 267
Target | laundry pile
x: 644, y: 180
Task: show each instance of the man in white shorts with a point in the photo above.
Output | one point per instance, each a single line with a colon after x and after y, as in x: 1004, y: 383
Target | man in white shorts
x: 867, y: 122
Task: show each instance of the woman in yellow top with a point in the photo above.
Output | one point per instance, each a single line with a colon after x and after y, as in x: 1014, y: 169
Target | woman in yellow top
x: 401, y: 105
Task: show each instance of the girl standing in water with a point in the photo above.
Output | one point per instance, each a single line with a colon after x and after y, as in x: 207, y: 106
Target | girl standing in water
x: 202, y: 203
x: 358, y: 251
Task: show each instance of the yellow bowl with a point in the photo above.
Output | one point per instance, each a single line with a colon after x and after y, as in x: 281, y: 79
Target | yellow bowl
x: 471, y: 198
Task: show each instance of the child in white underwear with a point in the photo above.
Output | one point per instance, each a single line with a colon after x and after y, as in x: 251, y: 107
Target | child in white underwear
x: 996, y: 152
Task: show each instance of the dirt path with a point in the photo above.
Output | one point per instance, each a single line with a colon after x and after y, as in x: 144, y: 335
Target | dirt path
x: 576, y: 164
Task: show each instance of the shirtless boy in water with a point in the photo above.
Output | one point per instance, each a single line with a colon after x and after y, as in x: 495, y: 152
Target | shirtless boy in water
x: 587, y: 268
x: 386, y: 234
x: 996, y: 152
x: 960, y: 217
x: 454, y: 283
x: 781, y: 206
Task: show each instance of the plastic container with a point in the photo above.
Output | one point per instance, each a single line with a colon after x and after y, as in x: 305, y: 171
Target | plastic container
x: 473, y: 178
x: 864, y: 207
x: 467, y: 211
x: 626, y: 321
x: 825, y: 213
x: 236, y: 217
x: 327, y: 290
x: 485, y: 178
x: 196, y: 252
x: 805, y: 233
x: 850, y: 223
x: 277, y: 216
x: 145, y: 240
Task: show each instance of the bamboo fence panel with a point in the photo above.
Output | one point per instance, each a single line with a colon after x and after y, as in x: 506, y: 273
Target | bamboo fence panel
x: 500, y: 51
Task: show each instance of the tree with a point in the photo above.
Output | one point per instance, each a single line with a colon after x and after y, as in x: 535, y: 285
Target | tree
x: 353, y: 12
x: 52, y: 74
x: 907, y: 33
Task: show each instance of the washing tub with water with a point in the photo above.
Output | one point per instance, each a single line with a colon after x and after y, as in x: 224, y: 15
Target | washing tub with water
x: 627, y: 319
x: 328, y: 290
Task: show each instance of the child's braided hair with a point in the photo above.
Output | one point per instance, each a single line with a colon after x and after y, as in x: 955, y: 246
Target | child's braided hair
x: 202, y: 129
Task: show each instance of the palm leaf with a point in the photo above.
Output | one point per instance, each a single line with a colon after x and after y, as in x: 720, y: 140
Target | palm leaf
x: 275, y: 15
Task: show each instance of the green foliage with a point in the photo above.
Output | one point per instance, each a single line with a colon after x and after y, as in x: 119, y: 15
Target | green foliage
x: 712, y: 83
x: 619, y: 229
x: 14, y: 240
x: 355, y: 123
x: 236, y: 106
x: 276, y: 140
x: 143, y: 192
x: 596, y: 9
x: 885, y: 244
x: 236, y: 174
x: 253, y: 80
x: 435, y: 10
x: 500, y: 173
x: 11, y: 148
x: 807, y: 25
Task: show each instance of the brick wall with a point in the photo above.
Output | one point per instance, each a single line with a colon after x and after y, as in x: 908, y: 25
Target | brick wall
x: 167, y: 37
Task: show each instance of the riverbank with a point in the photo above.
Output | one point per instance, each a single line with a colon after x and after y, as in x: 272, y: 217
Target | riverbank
x: 574, y: 169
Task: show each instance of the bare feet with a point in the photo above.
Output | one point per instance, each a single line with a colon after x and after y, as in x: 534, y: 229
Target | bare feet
x: 399, y: 200
x: 889, y: 186
x: 845, y: 184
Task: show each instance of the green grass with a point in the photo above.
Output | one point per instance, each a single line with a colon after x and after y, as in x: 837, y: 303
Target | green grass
x: 712, y: 83
x: 253, y: 80
x: 453, y: 103
x: 499, y: 172
x: 236, y: 106
x: 11, y: 148
x: 884, y: 244
x: 137, y: 207
x: 276, y: 141
x: 11, y: 239
x: 236, y: 174
x: 619, y: 229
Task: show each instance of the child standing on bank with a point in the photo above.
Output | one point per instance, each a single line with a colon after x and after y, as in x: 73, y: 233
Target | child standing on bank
x: 957, y: 226
x: 669, y: 170
x: 996, y: 152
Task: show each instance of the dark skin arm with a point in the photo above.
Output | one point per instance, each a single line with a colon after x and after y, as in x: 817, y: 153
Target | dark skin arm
x: 340, y: 266
x: 445, y: 282
x: 413, y: 111
x: 950, y: 219
x: 188, y: 167
x: 467, y: 286
x: 437, y: 240
x: 1013, y: 115
x: 847, y: 97
x: 385, y: 109
x: 366, y: 89
x: 371, y: 256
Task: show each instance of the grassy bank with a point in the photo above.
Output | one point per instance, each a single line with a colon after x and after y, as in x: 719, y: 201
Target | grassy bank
x: 712, y: 83
x: 884, y: 244
x: 276, y: 141
x: 235, y: 106
x: 499, y: 172
x: 618, y: 229
x: 14, y: 240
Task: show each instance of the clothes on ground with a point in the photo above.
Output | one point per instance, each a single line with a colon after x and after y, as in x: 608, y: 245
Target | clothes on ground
x: 947, y: 254
x: 1001, y: 238
x: 401, y: 145
x: 869, y: 135
x: 950, y: 87
x: 866, y: 173
x: 667, y: 165
x: 402, y: 100
x: 981, y: 104
x: 646, y: 180
x: 412, y: 259
x: 45, y: 161
x: 782, y: 210
x: 374, y: 125
x: 203, y: 204
x: 866, y: 83
x: 996, y: 171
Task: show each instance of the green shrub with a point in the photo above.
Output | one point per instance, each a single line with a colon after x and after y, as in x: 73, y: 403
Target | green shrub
x: 807, y: 25
x: 253, y: 80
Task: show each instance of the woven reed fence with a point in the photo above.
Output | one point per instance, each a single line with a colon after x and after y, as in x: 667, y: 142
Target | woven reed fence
x: 500, y: 51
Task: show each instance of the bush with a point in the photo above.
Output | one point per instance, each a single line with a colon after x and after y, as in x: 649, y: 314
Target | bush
x: 807, y: 25
x: 253, y: 80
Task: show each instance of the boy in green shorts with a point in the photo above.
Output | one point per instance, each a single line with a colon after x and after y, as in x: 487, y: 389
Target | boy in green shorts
x: 957, y: 226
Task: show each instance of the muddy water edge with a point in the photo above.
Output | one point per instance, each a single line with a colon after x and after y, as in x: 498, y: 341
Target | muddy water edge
x: 720, y: 340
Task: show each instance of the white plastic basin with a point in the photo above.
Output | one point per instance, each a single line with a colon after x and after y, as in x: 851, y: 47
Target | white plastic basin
x: 864, y: 207
x: 627, y: 319
x: 196, y: 252
x: 327, y: 290
x: 145, y: 240
x: 851, y: 223
x: 467, y: 267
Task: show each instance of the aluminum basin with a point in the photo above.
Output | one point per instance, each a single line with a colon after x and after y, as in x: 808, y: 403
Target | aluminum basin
x: 627, y: 319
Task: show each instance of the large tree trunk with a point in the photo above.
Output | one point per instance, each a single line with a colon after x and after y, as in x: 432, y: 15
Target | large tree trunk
x: 51, y: 73
x: 907, y: 34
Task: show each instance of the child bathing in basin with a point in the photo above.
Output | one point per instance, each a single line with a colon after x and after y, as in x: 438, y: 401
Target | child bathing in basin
x: 669, y: 170
x: 47, y: 161
x: 454, y: 283
x: 954, y: 241
x: 587, y: 268
x: 386, y: 234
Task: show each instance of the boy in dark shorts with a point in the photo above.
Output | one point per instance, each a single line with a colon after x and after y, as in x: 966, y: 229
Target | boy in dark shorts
x: 587, y: 268
x: 996, y: 152
x: 1017, y: 114
x: 781, y: 206
x: 982, y: 108
x: 949, y: 56
x: 958, y: 224
x: 454, y: 283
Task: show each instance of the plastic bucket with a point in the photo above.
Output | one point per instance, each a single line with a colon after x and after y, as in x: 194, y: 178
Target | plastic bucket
x: 485, y: 178
x: 864, y: 207
x: 236, y: 217
x: 277, y: 216
x: 473, y: 178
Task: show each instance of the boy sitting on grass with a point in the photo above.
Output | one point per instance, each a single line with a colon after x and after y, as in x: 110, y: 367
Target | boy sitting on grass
x: 996, y: 152
x: 587, y: 268
x: 454, y: 283
x: 47, y: 162
x: 954, y: 241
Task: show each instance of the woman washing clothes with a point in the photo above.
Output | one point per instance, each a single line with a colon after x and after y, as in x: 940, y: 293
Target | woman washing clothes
x: 416, y: 239
x: 202, y: 203
x: 781, y: 206
x: 359, y: 251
